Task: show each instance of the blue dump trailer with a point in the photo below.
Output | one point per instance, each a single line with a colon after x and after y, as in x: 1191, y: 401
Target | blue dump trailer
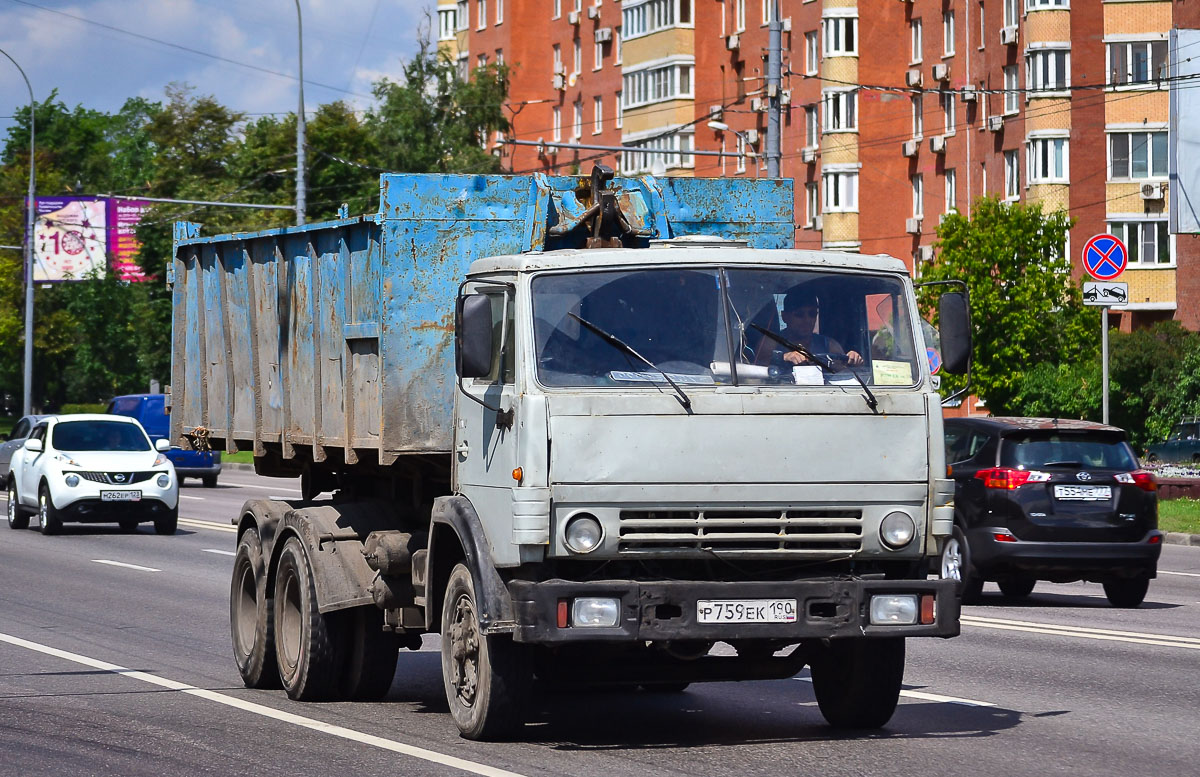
x: 584, y: 428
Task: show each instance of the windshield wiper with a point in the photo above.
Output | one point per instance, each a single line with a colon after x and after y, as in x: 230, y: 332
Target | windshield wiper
x: 872, y: 402
x: 1063, y: 464
x: 620, y: 344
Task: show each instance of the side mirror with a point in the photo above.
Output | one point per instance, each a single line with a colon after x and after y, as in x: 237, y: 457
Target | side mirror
x: 473, y: 336
x: 954, y: 327
x: 33, y: 445
x: 162, y: 445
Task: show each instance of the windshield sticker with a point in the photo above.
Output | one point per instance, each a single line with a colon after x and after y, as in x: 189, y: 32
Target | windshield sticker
x: 654, y: 377
x: 887, y: 373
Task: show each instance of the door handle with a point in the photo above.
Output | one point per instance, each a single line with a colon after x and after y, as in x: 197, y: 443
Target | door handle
x: 463, y: 449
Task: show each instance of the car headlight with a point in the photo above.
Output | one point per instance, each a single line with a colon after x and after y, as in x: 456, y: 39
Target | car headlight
x: 583, y: 533
x: 159, y: 460
x: 72, y: 480
x: 164, y: 480
x: 67, y: 461
x: 897, y: 530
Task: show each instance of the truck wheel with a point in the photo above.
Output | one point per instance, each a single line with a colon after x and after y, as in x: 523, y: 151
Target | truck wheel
x: 305, y: 640
x: 371, y: 654
x: 167, y: 524
x: 251, y: 620
x: 17, y: 519
x: 857, y: 681
x: 1127, y: 592
x: 1017, y: 587
x: 955, y: 564
x: 487, y: 678
x: 48, y: 520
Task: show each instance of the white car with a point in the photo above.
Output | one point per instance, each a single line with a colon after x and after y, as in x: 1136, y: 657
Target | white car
x: 92, y: 469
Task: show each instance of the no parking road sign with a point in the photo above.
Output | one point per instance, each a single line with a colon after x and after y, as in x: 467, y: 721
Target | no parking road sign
x: 1105, y: 257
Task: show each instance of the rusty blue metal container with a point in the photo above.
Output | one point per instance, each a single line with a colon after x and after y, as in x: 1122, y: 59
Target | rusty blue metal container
x: 335, y: 338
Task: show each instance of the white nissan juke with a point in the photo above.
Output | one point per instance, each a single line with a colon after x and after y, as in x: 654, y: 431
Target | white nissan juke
x: 92, y: 469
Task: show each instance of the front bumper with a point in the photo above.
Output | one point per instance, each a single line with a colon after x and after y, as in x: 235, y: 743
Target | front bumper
x: 96, y: 511
x: 1119, y: 559
x: 666, y: 610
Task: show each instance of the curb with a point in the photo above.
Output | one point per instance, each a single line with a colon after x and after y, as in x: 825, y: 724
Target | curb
x: 1179, y: 538
x: 239, y: 467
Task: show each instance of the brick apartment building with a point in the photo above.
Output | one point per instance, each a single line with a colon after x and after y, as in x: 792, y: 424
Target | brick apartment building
x: 895, y: 113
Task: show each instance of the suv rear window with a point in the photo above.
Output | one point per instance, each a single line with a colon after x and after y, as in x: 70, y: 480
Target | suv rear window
x: 1085, y: 450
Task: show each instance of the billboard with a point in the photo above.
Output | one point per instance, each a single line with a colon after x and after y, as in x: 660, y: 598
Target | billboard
x: 1184, y: 135
x: 80, y: 237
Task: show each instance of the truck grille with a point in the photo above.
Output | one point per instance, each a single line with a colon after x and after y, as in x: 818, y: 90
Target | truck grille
x: 116, y: 478
x: 791, y: 532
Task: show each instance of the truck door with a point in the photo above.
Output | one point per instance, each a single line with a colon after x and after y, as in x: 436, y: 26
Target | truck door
x: 485, y: 438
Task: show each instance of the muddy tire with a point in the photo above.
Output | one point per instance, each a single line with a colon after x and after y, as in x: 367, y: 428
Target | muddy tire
x: 251, y: 615
x: 369, y: 660
x: 857, y: 681
x: 306, y: 648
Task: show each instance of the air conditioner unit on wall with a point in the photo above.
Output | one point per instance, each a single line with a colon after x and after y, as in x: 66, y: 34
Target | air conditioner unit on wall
x: 941, y: 72
x: 995, y: 123
x: 1153, y: 191
x: 969, y: 94
x: 912, y: 226
x: 752, y: 136
x: 817, y: 223
x: 785, y: 97
x: 912, y: 77
x: 758, y: 104
x: 808, y: 154
x: 925, y: 253
x: 604, y: 35
x: 1008, y: 35
x: 559, y: 81
x: 911, y: 147
x: 594, y: 12
x: 937, y: 144
x: 732, y: 42
x: 573, y: 17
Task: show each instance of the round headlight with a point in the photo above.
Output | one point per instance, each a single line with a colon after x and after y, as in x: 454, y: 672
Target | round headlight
x: 72, y: 480
x: 583, y: 534
x: 897, y: 530
x: 164, y: 480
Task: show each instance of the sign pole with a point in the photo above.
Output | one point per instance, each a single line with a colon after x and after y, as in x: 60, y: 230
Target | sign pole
x: 1104, y: 361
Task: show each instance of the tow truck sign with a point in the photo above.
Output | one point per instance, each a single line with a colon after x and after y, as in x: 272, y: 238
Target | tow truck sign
x: 1105, y: 294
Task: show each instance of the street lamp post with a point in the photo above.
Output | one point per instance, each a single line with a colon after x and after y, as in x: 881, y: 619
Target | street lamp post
x: 29, y: 208
x: 301, y: 194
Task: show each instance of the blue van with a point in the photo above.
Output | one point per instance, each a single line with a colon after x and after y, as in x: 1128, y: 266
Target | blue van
x: 151, y: 411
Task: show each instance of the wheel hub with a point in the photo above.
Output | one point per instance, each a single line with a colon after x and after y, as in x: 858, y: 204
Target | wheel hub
x: 952, y: 560
x: 464, y: 651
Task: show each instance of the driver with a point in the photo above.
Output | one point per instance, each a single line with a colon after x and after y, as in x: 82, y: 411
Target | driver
x: 800, y: 311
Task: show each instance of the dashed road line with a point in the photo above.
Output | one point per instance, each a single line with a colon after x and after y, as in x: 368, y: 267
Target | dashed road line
x: 1182, y: 574
x: 197, y: 498
x: 213, y: 525
x: 220, y: 552
x: 126, y: 566
x: 300, y: 721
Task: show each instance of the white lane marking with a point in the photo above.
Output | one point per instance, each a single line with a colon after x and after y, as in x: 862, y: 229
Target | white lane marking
x: 195, y: 524
x: 126, y: 566
x: 185, y: 496
x: 269, y: 712
x: 1184, y: 574
x: 930, y: 697
x: 1137, y: 638
x: 266, y: 487
x: 221, y: 552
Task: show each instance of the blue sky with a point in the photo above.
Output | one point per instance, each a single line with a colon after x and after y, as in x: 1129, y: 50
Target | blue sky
x: 348, y: 44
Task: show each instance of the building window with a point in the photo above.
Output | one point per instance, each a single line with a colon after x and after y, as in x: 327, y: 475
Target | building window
x: 463, y: 66
x: 558, y: 65
x: 577, y: 5
x: 1137, y: 155
x: 499, y: 11
x: 1034, y: 5
x: 598, y: 56
x: 556, y: 127
x: 577, y: 60
x: 811, y: 52
x: 812, y: 202
x: 768, y: 9
x: 1012, y: 176
x: 480, y: 14
x: 1048, y: 160
x: 841, y: 191
x: 948, y: 33
x: 679, y: 145
x: 597, y: 115
x: 577, y: 124
x: 812, y: 132
x: 918, y: 116
x: 557, y: 9
x: 918, y: 196
x: 463, y: 15
x: 616, y: 47
x: 982, y: 25
x: 1148, y: 241
x: 917, y: 44
x: 948, y: 101
x: 618, y: 113
x: 839, y: 107
x: 951, y: 191
x: 666, y: 82
x: 1047, y: 70
x: 499, y: 56
x: 447, y: 23
x: 740, y: 148
x: 654, y: 15
x: 739, y: 15
x: 1010, y: 13
x: 481, y: 60
x: 1138, y: 62
x: 841, y: 36
x: 1012, y: 93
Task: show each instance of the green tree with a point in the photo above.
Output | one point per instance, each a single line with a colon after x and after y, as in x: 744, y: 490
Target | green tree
x: 1025, y: 308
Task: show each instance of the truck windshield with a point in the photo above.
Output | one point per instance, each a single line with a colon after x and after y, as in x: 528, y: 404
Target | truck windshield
x: 687, y: 321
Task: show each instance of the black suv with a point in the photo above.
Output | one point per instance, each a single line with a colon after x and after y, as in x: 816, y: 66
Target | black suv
x: 1049, y: 499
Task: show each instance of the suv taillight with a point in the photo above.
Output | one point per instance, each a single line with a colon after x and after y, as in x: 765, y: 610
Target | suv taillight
x: 1007, y: 478
x: 1140, y: 478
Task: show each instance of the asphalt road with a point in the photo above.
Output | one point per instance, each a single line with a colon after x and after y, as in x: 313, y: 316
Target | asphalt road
x: 115, y: 660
